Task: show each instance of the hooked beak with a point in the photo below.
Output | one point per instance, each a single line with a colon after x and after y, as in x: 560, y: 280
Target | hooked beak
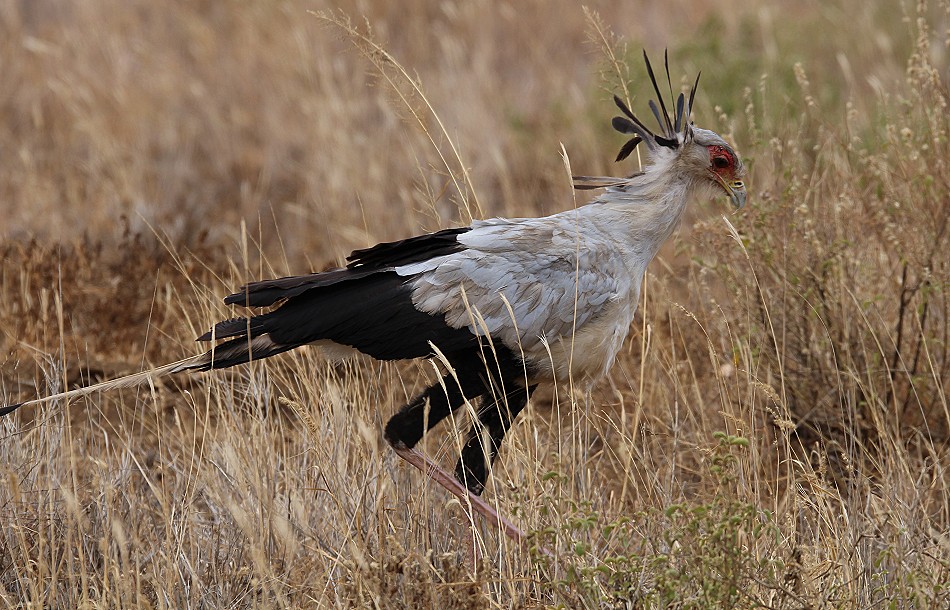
x: 735, y: 189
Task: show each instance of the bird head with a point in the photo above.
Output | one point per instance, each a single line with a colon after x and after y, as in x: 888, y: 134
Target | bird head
x: 699, y: 153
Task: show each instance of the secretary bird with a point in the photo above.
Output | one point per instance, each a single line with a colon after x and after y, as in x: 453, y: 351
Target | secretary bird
x: 506, y: 303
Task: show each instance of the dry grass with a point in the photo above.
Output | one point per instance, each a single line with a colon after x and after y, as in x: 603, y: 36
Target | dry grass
x: 775, y: 434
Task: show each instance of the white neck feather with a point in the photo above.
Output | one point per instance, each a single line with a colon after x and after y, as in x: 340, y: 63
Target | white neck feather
x: 649, y: 206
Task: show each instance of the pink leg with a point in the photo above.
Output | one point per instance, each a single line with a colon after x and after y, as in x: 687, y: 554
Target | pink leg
x: 449, y: 482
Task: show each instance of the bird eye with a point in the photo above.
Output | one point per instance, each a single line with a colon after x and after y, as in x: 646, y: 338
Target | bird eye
x: 720, y: 162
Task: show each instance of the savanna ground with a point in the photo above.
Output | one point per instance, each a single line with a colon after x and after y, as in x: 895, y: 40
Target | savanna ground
x: 775, y: 433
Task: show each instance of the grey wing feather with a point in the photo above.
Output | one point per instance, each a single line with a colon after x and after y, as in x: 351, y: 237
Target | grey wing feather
x: 537, y: 273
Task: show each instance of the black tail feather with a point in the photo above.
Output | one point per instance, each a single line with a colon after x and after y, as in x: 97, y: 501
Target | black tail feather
x: 240, y: 350
x: 10, y: 408
x: 235, y: 327
x: 271, y: 292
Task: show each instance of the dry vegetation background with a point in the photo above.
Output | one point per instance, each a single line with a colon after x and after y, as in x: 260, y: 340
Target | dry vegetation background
x: 775, y: 434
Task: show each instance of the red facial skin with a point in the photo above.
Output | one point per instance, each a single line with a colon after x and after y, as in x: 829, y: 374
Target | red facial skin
x: 722, y: 162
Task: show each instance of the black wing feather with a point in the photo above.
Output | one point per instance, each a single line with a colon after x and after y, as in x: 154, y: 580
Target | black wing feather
x: 374, y: 314
x: 269, y: 292
x: 365, y: 305
x: 407, y: 251
x: 360, y: 264
x: 227, y: 328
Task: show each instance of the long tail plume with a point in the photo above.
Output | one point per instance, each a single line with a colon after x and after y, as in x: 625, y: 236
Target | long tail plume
x: 129, y: 381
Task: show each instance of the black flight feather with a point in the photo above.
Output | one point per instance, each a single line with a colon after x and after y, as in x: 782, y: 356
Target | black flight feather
x: 226, y: 329
x: 10, y: 408
x: 372, y: 312
x: 360, y: 263
x: 270, y: 292
x: 407, y: 251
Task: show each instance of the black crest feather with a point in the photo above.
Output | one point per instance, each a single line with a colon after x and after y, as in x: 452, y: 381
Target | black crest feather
x: 692, y: 94
x: 673, y: 129
x: 665, y: 124
x: 628, y: 148
x: 680, y: 102
x: 623, y: 125
x: 623, y: 108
